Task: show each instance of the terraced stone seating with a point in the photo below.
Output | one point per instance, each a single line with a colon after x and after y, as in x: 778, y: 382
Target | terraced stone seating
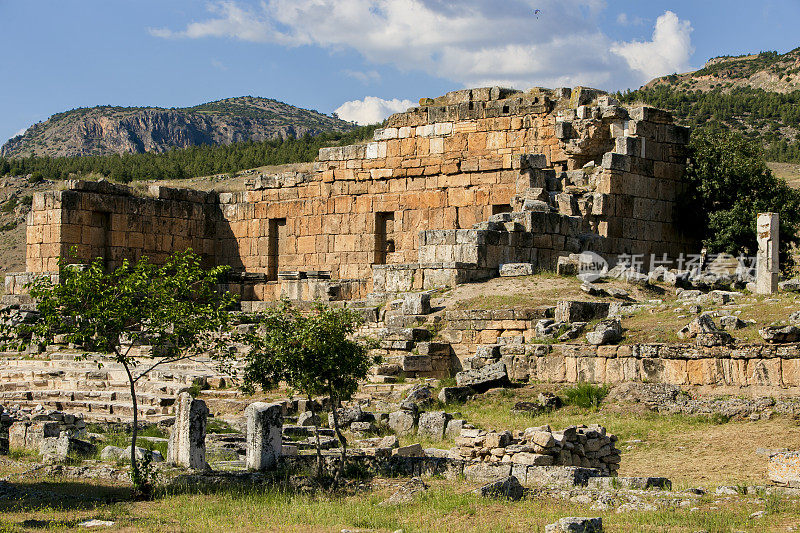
x: 97, y: 387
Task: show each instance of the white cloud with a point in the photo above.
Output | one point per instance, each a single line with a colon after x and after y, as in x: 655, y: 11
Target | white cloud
x: 216, y: 63
x: 471, y: 42
x: 668, y: 52
x: 624, y: 20
x: 371, y: 109
x: 365, y: 77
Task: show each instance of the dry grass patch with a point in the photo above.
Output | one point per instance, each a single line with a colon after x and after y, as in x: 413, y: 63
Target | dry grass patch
x: 448, y: 506
x: 690, y: 450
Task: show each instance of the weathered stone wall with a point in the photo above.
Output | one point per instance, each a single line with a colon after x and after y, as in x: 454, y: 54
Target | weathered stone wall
x: 577, y: 177
x: 100, y: 219
x: 677, y: 364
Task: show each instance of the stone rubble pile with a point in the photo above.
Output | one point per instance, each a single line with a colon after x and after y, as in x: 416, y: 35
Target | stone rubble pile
x: 584, y: 446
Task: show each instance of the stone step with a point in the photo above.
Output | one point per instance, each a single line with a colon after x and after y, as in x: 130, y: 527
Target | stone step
x: 94, y: 410
x: 144, y: 399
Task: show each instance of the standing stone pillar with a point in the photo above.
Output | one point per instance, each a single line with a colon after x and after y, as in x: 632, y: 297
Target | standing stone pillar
x: 264, y: 434
x: 767, y: 264
x: 187, y: 442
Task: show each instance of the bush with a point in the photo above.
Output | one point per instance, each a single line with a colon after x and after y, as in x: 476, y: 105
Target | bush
x: 585, y: 395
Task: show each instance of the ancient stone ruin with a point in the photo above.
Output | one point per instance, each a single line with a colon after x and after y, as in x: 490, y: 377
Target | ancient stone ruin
x: 445, y: 193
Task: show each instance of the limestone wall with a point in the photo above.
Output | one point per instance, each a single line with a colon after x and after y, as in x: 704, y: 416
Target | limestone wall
x: 100, y: 219
x: 677, y: 364
x: 579, y: 171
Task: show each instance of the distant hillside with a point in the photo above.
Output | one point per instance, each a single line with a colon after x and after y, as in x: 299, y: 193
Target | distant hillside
x: 182, y: 163
x: 106, y: 130
x: 758, y: 95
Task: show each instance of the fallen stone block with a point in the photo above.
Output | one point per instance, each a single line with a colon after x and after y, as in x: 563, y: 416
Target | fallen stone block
x: 507, y: 487
x: 784, y: 468
x: 575, y: 311
x: 417, y: 304
x: 483, y: 379
x: 731, y: 322
x: 575, y: 524
x: 508, y: 270
x: 418, y: 398
x: 606, y: 332
x: 401, y: 422
x: 413, y: 450
x: 454, y: 428
x: 54, y: 449
x: 432, y: 425
x: 779, y: 335
x: 113, y: 453
x: 454, y: 394
x: 702, y: 324
x: 630, y: 483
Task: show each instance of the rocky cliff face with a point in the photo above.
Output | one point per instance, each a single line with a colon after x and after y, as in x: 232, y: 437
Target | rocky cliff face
x: 109, y: 130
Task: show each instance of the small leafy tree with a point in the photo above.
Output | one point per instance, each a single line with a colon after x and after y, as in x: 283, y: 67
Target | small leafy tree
x: 314, y: 353
x: 175, y: 307
x: 728, y: 184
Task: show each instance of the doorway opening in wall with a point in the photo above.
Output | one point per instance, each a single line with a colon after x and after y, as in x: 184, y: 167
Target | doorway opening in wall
x: 384, y: 236
x: 101, y: 228
x: 275, y: 243
x: 501, y: 208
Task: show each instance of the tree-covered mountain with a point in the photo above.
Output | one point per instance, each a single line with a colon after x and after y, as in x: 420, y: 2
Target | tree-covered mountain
x: 181, y: 163
x: 105, y: 130
x: 757, y: 95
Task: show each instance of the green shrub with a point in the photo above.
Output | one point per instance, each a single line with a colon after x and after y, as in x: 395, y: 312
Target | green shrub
x: 585, y: 395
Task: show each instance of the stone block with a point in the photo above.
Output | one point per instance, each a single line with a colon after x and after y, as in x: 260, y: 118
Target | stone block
x: 413, y: 450
x: 401, y: 422
x: 516, y: 269
x: 784, y: 468
x: 30, y: 435
x: 187, y: 442
x: 264, y: 435
x: 417, y: 304
x: 489, y: 376
x: 575, y: 311
x: 575, y: 524
x: 486, y: 472
x: 432, y: 425
x: 454, y: 428
x: 454, y: 394
x: 532, y: 459
x: 507, y: 487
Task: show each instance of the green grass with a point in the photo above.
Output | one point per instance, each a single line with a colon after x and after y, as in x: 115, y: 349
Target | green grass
x: 585, y: 395
x: 447, y: 506
x: 217, y: 425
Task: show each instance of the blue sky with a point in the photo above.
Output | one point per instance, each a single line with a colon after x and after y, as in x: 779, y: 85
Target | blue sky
x: 366, y: 58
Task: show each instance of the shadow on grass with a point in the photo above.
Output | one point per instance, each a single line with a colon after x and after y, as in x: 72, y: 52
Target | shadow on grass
x: 67, y: 495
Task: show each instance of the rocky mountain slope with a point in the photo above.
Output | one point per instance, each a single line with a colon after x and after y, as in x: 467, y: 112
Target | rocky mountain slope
x: 114, y: 130
x: 770, y: 71
x: 758, y: 95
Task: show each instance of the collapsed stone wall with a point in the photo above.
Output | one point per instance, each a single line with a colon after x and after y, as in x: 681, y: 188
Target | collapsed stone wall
x: 588, y: 447
x: 452, y: 188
